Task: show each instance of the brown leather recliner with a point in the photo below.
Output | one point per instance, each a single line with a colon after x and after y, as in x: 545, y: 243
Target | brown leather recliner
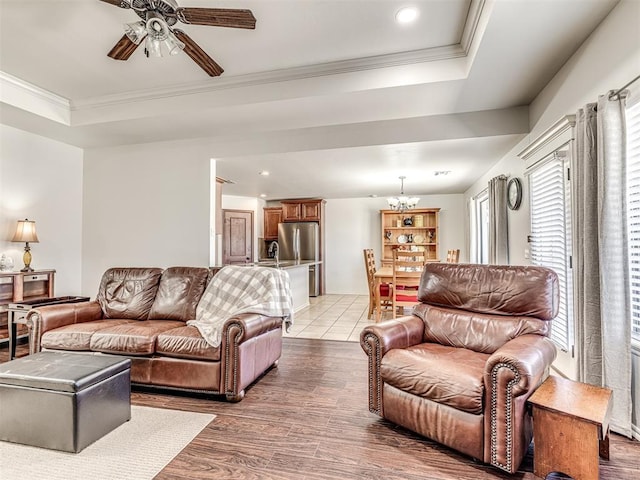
x: 461, y: 368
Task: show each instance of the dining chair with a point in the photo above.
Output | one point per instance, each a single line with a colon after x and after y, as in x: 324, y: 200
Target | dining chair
x: 453, y: 256
x: 407, y: 270
x: 385, y: 297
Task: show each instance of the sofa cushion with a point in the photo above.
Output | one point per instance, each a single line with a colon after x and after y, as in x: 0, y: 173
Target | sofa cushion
x: 445, y: 375
x: 179, y: 292
x: 76, y: 336
x: 128, y: 292
x: 134, y: 338
x: 186, y: 342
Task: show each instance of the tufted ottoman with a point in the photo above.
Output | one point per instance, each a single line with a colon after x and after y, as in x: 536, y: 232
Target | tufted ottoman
x: 63, y: 401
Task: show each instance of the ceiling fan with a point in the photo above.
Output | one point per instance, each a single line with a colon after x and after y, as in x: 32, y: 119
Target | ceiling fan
x: 158, y: 16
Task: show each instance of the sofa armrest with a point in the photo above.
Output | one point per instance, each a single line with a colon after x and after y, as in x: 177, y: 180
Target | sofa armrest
x: 511, y: 375
x: 376, y: 340
x: 240, y: 336
x: 241, y: 328
x: 43, y: 319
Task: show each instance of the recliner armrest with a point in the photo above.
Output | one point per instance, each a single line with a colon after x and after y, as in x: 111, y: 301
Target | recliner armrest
x: 376, y: 340
x: 401, y: 332
x: 527, y: 356
x: 511, y: 375
x: 43, y: 319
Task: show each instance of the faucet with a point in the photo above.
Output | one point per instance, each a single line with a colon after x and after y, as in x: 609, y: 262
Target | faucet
x: 274, y: 250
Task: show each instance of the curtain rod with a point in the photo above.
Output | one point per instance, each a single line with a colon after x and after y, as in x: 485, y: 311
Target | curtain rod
x: 617, y: 92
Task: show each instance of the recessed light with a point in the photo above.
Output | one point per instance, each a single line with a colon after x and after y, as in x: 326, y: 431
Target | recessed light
x: 263, y: 195
x: 406, y: 15
x: 264, y: 173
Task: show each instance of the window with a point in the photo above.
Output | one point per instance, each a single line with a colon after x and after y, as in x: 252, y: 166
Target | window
x: 481, y: 227
x: 550, y: 245
x: 633, y: 213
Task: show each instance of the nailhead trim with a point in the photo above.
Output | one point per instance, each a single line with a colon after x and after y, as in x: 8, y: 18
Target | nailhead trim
x: 374, y: 356
x: 494, y: 415
x: 34, y: 324
x: 232, y: 340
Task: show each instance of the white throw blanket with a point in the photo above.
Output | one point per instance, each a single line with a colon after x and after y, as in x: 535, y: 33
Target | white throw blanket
x: 237, y: 289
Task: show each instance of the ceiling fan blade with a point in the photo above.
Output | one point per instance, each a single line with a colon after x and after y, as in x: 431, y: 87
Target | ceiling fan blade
x: 118, y: 3
x: 123, y: 49
x: 198, y: 55
x: 218, y: 17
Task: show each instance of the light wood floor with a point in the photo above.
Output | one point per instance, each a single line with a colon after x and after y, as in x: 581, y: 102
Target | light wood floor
x: 308, y: 419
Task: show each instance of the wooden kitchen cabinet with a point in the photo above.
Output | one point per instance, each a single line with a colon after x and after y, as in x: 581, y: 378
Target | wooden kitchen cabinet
x: 19, y: 286
x: 302, y: 210
x: 419, y: 232
x: 272, y: 217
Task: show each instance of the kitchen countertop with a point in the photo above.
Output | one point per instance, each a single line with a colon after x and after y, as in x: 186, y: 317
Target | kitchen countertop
x: 285, y: 264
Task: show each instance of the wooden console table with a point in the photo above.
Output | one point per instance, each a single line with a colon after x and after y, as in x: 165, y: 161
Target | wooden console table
x: 18, y: 286
x: 570, y: 428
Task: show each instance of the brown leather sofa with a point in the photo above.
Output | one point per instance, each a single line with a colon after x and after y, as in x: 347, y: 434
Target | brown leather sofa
x: 141, y: 313
x: 461, y: 368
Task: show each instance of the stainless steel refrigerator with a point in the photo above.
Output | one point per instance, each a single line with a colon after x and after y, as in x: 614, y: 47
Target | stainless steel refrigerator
x: 301, y: 241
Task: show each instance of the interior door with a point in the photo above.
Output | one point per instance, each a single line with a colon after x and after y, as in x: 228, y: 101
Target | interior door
x: 237, y: 236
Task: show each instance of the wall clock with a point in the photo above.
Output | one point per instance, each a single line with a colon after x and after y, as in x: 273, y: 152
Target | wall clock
x: 514, y: 193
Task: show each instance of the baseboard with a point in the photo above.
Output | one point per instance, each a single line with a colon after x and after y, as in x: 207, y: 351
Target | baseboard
x: 635, y: 432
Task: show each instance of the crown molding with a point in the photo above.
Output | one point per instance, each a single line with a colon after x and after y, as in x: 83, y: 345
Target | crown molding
x: 434, y: 54
x: 27, y: 96
x: 21, y: 94
x: 276, y: 76
x: 565, y: 124
x: 471, y: 24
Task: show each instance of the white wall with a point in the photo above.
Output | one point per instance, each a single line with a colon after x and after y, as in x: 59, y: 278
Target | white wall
x: 353, y: 224
x: 41, y: 179
x: 145, y: 205
x: 607, y: 60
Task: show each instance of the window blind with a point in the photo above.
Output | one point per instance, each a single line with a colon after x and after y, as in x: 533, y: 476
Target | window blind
x: 551, y: 237
x: 633, y: 213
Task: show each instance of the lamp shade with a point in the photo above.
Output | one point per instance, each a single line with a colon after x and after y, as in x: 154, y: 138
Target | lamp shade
x: 26, y: 232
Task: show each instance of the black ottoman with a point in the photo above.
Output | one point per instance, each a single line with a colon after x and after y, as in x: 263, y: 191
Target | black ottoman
x: 63, y: 401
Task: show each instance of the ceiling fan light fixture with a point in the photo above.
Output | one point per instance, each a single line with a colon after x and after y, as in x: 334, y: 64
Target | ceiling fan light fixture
x: 152, y: 47
x: 157, y: 28
x: 172, y: 44
x: 135, y: 31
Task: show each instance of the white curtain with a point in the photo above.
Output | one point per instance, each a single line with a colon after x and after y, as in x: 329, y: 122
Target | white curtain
x: 601, y: 289
x: 498, y: 231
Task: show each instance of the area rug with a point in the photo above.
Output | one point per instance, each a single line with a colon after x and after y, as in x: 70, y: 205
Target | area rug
x: 136, y: 450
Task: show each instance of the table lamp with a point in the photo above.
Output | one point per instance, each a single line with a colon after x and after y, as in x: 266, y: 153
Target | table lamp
x: 26, y: 232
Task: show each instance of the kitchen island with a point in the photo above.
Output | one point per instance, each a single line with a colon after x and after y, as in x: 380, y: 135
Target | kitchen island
x: 298, y: 271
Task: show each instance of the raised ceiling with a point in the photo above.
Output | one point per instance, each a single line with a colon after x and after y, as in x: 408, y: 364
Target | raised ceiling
x: 333, y: 97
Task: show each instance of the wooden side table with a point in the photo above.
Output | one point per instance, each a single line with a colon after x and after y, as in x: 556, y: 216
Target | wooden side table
x: 18, y: 313
x: 570, y: 428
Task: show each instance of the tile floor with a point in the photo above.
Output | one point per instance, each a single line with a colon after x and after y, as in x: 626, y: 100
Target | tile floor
x: 333, y: 317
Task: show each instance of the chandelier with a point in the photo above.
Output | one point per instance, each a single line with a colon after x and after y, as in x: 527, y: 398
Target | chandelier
x: 402, y: 203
